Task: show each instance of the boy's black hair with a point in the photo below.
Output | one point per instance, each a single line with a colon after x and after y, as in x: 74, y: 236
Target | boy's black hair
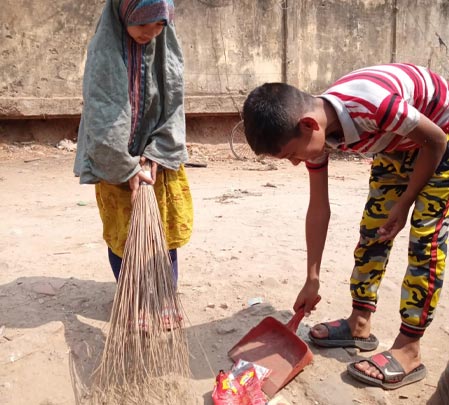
x: 271, y: 113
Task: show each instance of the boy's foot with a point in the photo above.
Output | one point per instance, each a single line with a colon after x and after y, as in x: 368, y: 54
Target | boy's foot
x: 389, y: 373
x: 339, y: 334
x: 351, y: 332
x: 405, y: 351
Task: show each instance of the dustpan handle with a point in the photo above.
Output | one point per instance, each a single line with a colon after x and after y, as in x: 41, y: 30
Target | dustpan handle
x: 293, y: 323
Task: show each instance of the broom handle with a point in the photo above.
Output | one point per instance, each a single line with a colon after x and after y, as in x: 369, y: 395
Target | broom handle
x: 293, y: 323
x: 148, y: 173
x: 147, y: 170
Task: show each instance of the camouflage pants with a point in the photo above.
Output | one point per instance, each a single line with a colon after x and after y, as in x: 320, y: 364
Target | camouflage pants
x: 427, y: 249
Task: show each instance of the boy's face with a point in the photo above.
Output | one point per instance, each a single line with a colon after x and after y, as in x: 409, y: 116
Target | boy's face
x: 308, y: 145
x: 143, y: 34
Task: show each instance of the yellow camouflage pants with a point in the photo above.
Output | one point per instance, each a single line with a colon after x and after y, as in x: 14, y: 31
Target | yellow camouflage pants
x: 427, y: 249
x: 174, y: 201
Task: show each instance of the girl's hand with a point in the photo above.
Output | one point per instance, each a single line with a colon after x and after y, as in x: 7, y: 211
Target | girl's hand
x: 142, y: 176
x: 150, y: 165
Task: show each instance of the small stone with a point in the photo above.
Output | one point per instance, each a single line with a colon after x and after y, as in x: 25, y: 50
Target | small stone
x: 43, y: 288
x: 225, y: 329
x: 40, y: 300
x: 224, y: 306
x: 210, y: 305
x: 57, y: 284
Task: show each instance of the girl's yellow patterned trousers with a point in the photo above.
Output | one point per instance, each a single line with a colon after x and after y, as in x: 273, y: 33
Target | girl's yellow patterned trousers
x: 174, y: 201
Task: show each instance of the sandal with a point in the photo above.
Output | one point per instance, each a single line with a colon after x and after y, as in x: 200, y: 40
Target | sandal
x: 172, y: 319
x: 393, y: 373
x: 142, y: 326
x: 339, y: 335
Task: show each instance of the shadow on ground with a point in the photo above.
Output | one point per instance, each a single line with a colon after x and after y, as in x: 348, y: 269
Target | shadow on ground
x: 33, y: 302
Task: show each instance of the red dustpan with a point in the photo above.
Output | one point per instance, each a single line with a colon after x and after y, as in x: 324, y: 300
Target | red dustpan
x: 276, y: 346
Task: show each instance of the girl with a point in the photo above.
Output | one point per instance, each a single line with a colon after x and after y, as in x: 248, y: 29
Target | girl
x: 133, y: 114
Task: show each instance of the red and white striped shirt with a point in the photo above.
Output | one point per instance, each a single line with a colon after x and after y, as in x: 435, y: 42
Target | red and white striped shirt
x: 378, y: 106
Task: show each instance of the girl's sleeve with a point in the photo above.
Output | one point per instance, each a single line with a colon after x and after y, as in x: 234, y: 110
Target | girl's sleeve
x: 167, y: 144
x: 106, y: 121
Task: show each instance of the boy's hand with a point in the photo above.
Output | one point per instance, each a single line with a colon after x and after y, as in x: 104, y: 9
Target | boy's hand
x: 396, y: 221
x: 308, y: 297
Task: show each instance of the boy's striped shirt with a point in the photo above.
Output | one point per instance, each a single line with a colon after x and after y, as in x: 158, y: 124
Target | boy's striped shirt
x: 378, y: 106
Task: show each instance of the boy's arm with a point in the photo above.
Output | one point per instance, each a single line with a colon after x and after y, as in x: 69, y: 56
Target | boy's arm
x: 317, y: 221
x: 433, y: 143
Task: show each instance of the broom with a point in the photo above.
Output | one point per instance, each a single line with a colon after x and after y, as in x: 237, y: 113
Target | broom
x: 145, y: 358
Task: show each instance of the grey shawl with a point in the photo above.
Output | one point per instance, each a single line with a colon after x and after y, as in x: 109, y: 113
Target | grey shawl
x: 103, y: 152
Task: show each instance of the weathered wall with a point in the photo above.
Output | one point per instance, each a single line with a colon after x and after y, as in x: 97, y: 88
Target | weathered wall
x: 223, y: 41
x: 42, y: 47
x: 423, y: 33
x: 330, y: 38
x: 230, y: 46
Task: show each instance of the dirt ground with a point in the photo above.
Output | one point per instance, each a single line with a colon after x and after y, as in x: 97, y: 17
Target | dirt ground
x: 56, y: 288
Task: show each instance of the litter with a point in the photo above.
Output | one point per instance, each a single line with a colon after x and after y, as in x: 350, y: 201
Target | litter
x: 238, y: 386
x: 276, y: 346
x: 255, y: 301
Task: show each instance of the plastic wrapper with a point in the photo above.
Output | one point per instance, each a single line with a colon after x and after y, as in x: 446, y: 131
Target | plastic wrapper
x: 240, y: 386
x: 261, y: 372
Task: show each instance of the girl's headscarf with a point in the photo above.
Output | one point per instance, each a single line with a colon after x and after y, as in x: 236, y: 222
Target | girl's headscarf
x: 133, y: 95
x: 135, y: 12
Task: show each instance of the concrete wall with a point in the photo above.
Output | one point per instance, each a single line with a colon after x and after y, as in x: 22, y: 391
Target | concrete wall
x: 330, y: 38
x: 42, y: 52
x: 230, y: 46
x: 423, y: 33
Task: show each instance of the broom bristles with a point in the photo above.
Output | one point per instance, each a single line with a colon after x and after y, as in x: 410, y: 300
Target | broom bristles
x: 142, y: 362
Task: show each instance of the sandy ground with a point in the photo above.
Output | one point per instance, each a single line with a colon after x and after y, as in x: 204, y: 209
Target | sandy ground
x: 56, y: 287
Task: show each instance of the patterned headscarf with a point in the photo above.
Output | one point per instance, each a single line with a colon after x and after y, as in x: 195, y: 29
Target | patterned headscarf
x: 135, y: 12
x: 139, y: 12
x: 133, y: 96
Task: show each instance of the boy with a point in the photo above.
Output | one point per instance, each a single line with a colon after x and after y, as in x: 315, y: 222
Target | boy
x: 400, y: 112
